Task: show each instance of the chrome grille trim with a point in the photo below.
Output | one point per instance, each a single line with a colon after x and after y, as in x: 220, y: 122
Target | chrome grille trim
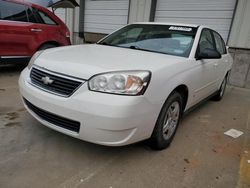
x: 62, y: 85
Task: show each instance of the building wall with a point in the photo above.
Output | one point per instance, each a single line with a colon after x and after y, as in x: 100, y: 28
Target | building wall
x: 239, y: 42
x: 240, y: 32
x: 139, y: 11
x: 240, y: 74
x: 72, y: 21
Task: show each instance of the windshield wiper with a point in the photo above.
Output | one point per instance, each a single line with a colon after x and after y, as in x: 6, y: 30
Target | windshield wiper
x: 134, y: 47
x: 143, y: 49
x: 138, y: 48
x: 106, y: 44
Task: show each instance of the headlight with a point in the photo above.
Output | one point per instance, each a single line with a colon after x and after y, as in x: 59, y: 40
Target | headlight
x: 124, y: 83
x: 34, y: 57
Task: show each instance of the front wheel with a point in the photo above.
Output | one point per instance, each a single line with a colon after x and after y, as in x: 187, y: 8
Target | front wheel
x: 167, y: 122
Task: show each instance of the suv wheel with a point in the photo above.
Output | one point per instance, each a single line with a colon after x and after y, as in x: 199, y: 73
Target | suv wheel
x: 47, y: 46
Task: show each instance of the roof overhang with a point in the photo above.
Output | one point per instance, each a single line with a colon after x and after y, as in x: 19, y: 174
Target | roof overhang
x: 54, y: 4
x: 63, y: 4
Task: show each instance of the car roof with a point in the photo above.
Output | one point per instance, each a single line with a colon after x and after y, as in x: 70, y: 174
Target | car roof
x: 41, y: 8
x: 21, y: 2
x: 168, y: 23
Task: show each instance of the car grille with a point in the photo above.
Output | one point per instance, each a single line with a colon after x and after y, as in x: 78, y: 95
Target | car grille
x: 54, y: 119
x: 56, y: 83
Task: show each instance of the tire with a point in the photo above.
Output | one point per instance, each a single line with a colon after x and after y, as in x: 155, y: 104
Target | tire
x: 221, y: 91
x: 47, y: 46
x: 167, y: 122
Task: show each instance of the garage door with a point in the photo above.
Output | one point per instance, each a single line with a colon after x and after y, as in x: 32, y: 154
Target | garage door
x: 216, y: 14
x: 105, y: 16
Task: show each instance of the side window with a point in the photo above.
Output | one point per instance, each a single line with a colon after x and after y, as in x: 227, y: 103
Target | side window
x: 31, y: 16
x: 206, y: 40
x: 220, y: 45
x: 13, y: 11
x: 44, y: 18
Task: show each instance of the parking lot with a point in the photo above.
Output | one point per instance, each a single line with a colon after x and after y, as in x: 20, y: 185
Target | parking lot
x: 32, y: 155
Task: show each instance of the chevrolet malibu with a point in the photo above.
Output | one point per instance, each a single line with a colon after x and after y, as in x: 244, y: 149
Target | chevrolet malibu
x: 133, y: 85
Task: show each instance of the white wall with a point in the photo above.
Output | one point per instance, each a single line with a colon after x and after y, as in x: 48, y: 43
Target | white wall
x: 139, y: 10
x: 61, y: 13
x: 240, y: 33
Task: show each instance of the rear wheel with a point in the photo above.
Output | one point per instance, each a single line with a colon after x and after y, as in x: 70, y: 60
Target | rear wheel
x: 167, y: 122
x: 221, y: 91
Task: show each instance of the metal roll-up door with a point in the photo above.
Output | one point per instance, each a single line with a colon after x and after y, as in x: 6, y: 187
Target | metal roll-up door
x: 216, y: 14
x: 105, y: 16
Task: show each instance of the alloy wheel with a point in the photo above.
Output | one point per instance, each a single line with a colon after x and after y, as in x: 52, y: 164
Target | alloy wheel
x: 171, y: 120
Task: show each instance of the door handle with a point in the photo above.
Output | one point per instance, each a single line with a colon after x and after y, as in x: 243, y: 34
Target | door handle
x: 216, y: 64
x: 36, y: 30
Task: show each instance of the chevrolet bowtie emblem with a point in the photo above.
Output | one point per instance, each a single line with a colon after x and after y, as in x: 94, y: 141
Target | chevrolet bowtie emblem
x: 46, y: 80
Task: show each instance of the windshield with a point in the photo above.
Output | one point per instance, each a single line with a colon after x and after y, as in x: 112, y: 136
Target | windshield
x: 167, y: 39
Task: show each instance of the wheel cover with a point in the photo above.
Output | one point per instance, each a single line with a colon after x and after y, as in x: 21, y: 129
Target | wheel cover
x: 171, y: 120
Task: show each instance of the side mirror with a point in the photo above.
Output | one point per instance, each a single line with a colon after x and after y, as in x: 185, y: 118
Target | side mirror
x: 208, y: 53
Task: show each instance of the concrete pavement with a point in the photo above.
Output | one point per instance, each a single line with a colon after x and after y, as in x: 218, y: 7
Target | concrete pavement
x: 32, y: 155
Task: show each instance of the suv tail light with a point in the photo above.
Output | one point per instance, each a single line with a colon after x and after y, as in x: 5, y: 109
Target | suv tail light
x: 67, y: 34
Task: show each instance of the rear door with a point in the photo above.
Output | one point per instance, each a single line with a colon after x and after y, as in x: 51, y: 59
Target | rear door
x: 222, y: 63
x: 43, y: 28
x: 14, y: 30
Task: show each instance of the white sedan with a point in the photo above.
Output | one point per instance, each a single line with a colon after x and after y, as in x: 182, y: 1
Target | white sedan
x: 133, y: 85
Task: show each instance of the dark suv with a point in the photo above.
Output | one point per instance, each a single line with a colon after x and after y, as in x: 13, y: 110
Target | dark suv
x: 26, y: 28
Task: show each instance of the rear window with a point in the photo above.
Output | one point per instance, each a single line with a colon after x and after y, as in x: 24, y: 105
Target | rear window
x: 220, y: 45
x: 31, y: 16
x: 13, y: 11
x: 43, y: 18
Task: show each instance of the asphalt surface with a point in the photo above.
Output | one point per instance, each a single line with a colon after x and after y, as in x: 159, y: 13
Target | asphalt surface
x: 32, y: 155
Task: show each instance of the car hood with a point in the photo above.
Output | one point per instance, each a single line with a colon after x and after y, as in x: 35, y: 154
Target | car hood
x: 84, y: 61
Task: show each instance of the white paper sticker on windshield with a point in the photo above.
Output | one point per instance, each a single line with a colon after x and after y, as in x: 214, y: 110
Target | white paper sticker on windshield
x: 179, y: 28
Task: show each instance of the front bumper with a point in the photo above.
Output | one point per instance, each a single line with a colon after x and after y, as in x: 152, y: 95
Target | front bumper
x: 105, y: 119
